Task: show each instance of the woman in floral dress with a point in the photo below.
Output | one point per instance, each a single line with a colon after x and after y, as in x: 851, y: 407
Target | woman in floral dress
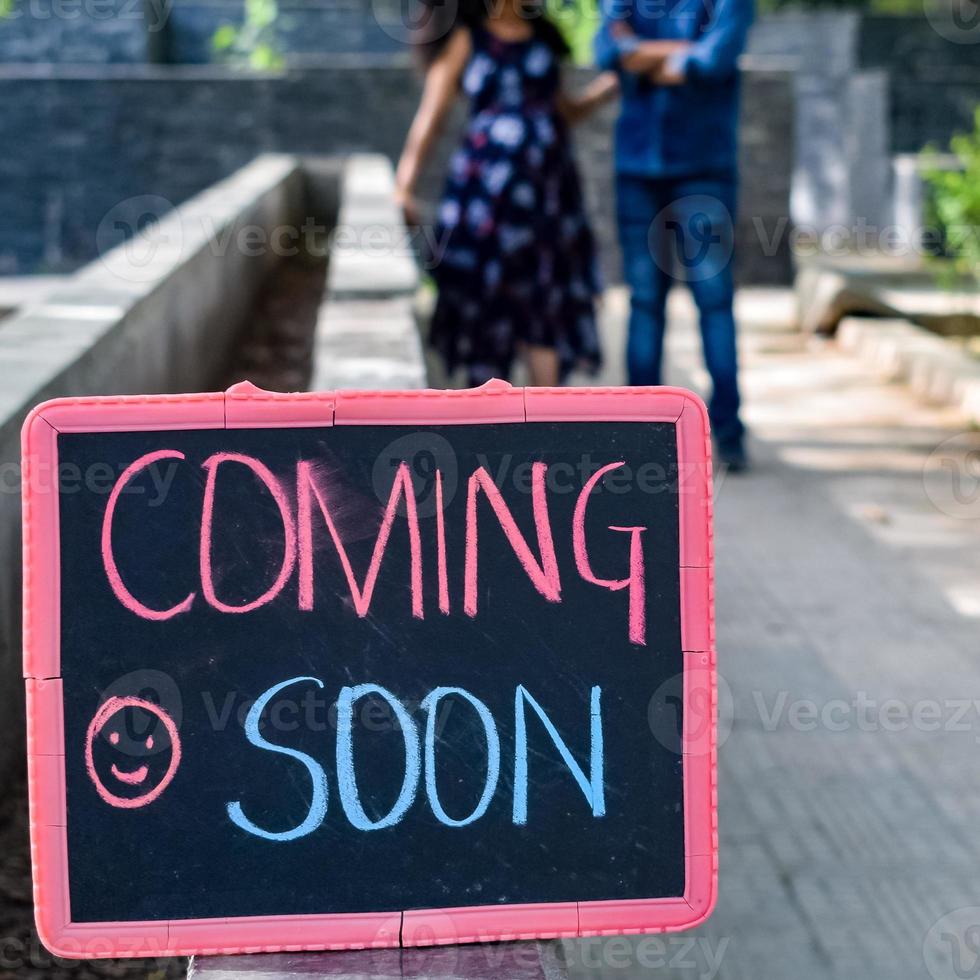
x: 512, y: 252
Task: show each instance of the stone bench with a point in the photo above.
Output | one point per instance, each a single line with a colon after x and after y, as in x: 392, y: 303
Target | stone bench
x: 513, y: 961
x: 367, y: 336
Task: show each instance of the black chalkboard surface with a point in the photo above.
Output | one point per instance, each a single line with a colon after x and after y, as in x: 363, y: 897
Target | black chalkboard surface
x: 323, y: 670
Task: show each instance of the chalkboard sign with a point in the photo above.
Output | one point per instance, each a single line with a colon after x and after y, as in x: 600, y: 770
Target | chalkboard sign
x: 358, y: 669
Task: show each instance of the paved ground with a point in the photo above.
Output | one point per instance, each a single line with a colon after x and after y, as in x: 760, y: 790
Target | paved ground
x: 275, y: 353
x: 848, y: 605
x: 848, y: 609
x: 18, y: 291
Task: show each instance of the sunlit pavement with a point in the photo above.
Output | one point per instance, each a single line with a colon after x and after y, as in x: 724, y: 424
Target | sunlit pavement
x: 848, y: 600
x: 848, y: 604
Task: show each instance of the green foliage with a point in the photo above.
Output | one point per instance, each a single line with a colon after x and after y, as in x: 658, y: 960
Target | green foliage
x: 578, y: 20
x: 6, y: 8
x: 956, y: 199
x: 224, y: 38
x: 253, y: 44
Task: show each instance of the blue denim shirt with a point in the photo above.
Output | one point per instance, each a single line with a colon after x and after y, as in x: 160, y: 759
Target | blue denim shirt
x: 676, y: 131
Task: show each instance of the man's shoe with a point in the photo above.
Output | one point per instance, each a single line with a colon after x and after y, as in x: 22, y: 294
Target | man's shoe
x: 733, y: 458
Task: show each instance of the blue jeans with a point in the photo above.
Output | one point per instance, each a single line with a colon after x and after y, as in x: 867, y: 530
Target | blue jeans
x: 681, y: 229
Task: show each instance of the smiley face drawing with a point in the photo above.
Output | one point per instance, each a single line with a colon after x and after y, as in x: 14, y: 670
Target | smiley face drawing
x: 139, y: 769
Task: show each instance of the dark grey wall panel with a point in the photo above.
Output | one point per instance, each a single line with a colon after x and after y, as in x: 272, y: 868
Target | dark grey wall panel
x: 80, y: 143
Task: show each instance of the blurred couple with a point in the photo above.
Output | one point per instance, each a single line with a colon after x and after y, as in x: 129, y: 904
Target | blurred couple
x: 516, y: 272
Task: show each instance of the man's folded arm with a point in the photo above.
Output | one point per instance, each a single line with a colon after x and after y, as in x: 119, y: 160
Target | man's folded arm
x: 611, y: 44
x: 715, y: 54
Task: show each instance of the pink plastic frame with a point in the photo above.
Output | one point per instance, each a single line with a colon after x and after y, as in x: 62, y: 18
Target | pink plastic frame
x: 244, y: 406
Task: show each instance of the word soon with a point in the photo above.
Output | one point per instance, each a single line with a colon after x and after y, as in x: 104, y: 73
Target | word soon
x: 420, y: 760
x: 312, y: 505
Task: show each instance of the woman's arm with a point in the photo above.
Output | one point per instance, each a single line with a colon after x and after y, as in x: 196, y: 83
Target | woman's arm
x: 578, y: 107
x: 438, y: 95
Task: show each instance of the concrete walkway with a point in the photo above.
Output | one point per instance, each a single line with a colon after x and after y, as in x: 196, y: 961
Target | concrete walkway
x: 848, y: 613
x: 848, y: 602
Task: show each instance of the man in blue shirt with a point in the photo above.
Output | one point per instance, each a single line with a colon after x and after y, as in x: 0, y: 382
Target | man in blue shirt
x: 676, y: 168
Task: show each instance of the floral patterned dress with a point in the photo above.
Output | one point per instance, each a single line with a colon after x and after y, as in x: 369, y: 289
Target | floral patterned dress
x: 513, y: 255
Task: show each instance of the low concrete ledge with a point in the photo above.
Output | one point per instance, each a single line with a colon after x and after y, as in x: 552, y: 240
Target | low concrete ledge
x: 829, y: 289
x: 17, y: 292
x: 827, y: 292
x: 901, y: 351
x: 371, y: 255
x: 159, y: 313
x: 367, y: 335
x: 530, y: 960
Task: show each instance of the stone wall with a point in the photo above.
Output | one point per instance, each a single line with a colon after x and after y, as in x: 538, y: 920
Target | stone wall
x: 306, y: 29
x: 81, y: 31
x: 867, y: 88
x: 842, y: 118
x: 934, y: 75
x: 159, y: 313
x: 180, y: 31
x: 90, y: 150
x: 933, y: 84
